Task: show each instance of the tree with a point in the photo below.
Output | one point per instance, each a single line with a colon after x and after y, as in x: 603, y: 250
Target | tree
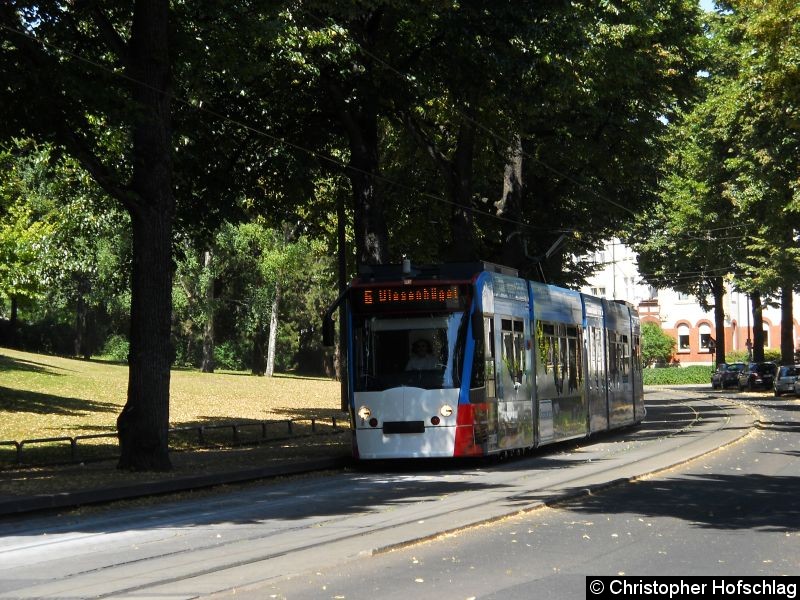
x: 22, y: 233
x: 768, y: 156
x: 195, y: 304
x: 569, y: 99
x: 90, y: 81
x: 657, y: 346
x: 64, y: 240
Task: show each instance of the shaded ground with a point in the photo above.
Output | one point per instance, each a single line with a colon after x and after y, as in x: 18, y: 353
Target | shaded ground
x: 60, y: 479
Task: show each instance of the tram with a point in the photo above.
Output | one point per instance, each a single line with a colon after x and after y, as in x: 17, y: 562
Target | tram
x: 459, y: 360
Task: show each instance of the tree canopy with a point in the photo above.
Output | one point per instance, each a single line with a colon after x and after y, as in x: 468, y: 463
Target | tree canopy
x: 729, y: 197
x: 436, y: 129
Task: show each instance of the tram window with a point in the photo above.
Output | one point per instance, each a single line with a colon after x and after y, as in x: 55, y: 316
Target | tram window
x: 560, y: 355
x: 479, y: 335
x: 573, y: 364
x: 491, y: 382
x: 383, y: 348
x: 613, y: 358
x: 625, y: 358
x: 513, y: 356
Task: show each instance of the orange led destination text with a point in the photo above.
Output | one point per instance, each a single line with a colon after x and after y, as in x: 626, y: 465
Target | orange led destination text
x: 400, y: 296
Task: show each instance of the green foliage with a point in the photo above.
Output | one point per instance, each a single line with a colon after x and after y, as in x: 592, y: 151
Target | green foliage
x: 252, y: 265
x: 657, y: 346
x: 584, y: 87
x: 736, y: 356
x: 729, y: 196
x: 770, y: 355
x: 62, y: 246
x: 228, y: 356
x: 116, y: 348
x: 696, y: 374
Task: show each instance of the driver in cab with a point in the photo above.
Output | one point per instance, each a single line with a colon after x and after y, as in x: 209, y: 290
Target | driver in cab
x: 421, y: 356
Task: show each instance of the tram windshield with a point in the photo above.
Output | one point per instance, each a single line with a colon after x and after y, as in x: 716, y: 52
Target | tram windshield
x: 425, y: 352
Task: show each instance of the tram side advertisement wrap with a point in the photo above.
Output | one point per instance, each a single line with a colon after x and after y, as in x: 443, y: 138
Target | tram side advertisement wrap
x: 680, y: 588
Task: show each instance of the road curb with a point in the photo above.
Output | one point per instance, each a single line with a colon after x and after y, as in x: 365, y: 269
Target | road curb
x: 29, y: 504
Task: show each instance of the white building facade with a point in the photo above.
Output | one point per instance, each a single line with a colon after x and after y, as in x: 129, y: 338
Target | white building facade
x: 679, y: 315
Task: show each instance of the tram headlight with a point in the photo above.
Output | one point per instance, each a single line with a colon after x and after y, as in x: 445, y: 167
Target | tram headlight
x: 364, y: 413
x: 446, y: 410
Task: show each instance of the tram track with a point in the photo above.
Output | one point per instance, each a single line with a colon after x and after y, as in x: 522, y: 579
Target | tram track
x: 197, y: 548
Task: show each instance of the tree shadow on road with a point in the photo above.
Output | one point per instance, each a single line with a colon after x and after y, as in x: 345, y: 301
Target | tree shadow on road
x: 767, y: 503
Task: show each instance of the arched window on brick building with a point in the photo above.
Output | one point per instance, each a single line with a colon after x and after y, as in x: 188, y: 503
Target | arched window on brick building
x: 683, y: 338
x: 704, y: 330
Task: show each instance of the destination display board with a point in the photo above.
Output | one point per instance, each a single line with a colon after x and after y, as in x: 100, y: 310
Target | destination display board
x: 431, y: 297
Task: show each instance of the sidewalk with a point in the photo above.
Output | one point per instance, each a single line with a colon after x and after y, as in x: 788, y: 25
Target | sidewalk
x: 42, y: 488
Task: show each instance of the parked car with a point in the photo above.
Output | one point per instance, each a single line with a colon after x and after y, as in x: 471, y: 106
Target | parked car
x: 726, y: 375
x: 786, y: 378
x: 757, y: 375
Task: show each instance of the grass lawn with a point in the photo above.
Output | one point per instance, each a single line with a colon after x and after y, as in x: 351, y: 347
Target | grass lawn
x: 47, y: 396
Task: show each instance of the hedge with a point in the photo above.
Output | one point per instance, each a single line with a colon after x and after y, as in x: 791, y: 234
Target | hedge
x: 677, y: 375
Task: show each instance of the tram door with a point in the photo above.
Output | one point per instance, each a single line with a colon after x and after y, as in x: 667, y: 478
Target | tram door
x: 514, y: 407
x: 638, y: 385
x: 619, y: 363
x: 596, y: 383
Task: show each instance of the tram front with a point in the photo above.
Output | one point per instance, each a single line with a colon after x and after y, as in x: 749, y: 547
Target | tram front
x: 410, y: 347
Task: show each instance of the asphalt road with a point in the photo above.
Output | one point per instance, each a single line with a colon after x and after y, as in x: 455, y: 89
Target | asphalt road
x: 733, y: 512
x: 314, y: 537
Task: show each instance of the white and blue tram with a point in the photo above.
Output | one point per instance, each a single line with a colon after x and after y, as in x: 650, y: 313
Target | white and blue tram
x: 513, y: 364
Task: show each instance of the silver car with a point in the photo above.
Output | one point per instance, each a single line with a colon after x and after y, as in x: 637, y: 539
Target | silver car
x: 786, y: 379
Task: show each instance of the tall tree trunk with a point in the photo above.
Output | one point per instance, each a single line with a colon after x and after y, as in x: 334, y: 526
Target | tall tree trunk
x: 80, y: 325
x: 718, y: 290
x: 144, y: 421
x: 258, y: 364
x: 82, y: 320
x: 460, y: 192
x: 273, y: 332
x: 340, y: 356
x: 372, y: 239
x: 758, y: 327
x: 509, y: 208
x: 360, y: 120
x: 208, y: 364
x: 14, y: 311
x: 369, y: 221
x: 457, y: 174
x: 787, y: 325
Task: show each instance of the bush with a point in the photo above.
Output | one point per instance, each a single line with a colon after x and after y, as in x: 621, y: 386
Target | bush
x: 47, y: 336
x: 657, y: 346
x: 228, y: 356
x: 116, y: 348
x: 697, y: 374
x: 770, y: 354
x: 735, y: 356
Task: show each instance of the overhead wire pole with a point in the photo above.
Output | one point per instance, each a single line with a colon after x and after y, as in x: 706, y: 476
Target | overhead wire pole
x: 342, y: 260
